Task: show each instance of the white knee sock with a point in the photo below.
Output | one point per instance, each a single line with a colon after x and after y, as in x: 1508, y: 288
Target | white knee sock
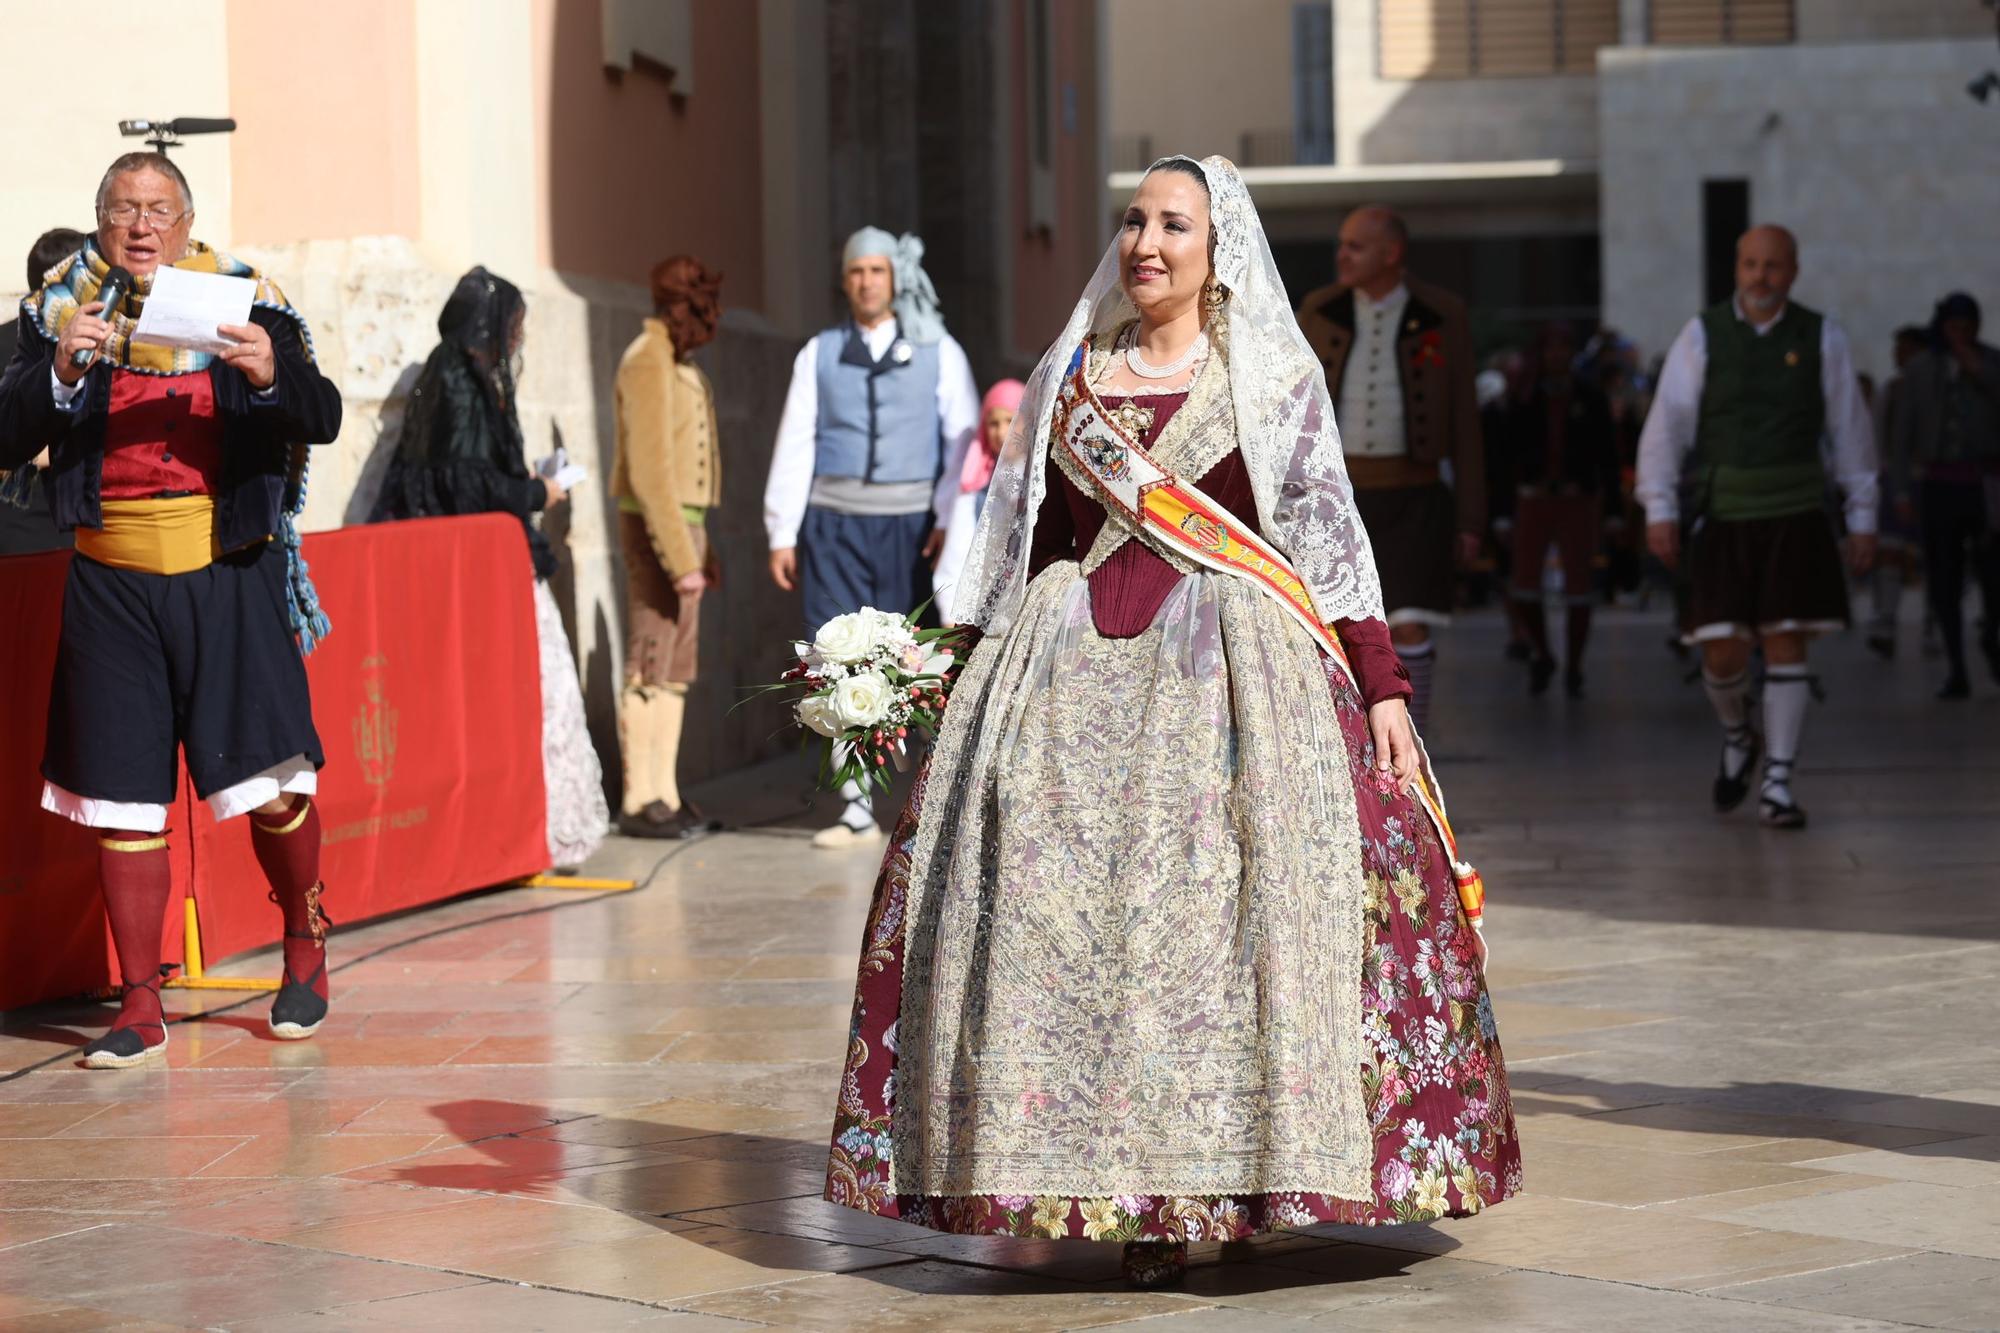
x: 670, y: 710
x: 1420, y: 660
x: 636, y: 742
x: 1885, y: 590
x: 1730, y: 697
x: 1787, y: 691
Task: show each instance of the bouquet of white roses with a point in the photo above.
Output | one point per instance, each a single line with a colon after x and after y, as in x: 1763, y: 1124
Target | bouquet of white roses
x: 870, y: 679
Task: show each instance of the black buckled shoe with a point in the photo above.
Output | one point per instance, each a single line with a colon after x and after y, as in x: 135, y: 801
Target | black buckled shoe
x: 301, y: 1004
x: 1731, y: 788
x: 299, y: 1009
x: 130, y: 1043
x: 1775, y: 806
x: 657, y: 820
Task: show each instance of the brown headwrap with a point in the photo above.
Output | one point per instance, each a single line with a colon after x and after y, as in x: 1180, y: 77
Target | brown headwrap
x: 686, y: 293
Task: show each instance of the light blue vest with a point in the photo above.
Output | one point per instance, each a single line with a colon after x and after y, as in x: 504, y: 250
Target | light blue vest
x: 878, y: 420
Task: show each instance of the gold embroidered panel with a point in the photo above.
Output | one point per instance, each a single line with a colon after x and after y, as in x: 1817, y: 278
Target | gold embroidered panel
x: 1135, y: 914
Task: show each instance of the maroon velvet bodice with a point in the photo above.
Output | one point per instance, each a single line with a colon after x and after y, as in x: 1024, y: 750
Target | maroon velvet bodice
x: 1127, y: 590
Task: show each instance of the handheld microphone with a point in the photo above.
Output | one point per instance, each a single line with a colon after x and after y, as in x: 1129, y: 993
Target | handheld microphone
x: 116, y: 285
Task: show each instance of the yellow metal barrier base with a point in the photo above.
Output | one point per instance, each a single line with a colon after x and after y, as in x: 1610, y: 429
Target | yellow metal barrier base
x: 192, y: 976
x: 572, y: 882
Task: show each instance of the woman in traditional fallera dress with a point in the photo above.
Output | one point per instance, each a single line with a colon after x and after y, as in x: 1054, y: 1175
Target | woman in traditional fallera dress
x: 1171, y: 942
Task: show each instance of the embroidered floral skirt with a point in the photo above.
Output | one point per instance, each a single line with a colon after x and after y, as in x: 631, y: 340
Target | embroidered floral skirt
x: 1432, y: 1087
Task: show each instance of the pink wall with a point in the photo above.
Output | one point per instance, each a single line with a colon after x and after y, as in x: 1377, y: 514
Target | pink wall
x: 325, y: 101
x: 1051, y: 269
x: 632, y: 173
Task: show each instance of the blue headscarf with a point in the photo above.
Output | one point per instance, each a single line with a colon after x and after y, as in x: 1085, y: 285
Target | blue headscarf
x: 915, y: 303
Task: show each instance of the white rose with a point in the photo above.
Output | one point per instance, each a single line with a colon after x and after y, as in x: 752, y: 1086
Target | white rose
x: 816, y: 713
x: 862, y: 700
x: 848, y: 638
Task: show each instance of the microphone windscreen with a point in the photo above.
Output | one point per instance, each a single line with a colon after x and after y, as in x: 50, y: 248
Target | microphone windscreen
x: 201, y: 125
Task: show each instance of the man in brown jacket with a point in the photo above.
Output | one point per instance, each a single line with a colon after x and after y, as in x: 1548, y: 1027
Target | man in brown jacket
x: 666, y: 476
x: 1398, y: 360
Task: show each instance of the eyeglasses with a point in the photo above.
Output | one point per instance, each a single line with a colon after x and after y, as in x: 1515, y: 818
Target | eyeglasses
x: 160, y: 215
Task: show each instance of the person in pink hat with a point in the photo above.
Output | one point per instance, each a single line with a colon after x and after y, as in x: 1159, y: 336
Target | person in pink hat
x: 996, y: 418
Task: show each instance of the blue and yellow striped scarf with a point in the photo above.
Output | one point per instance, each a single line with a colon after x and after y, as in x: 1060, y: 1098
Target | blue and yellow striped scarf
x: 74, y: 283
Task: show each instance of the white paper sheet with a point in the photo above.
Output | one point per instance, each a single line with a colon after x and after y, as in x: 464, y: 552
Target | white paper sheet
x: 184, y: 309
x: 557, y: 468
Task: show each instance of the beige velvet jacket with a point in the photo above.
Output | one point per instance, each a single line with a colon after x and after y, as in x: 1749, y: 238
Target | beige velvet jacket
x: 667, y: 453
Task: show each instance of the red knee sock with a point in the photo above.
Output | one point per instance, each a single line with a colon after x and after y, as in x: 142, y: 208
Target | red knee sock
x: 287, y: 847
x: 138, y: 880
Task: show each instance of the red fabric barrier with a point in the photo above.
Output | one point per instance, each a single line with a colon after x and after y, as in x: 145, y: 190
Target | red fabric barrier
x: 427, y: 696
x: 52, y: 935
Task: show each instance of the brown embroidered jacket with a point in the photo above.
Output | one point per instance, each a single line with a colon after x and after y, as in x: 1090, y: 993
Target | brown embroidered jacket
x: 1434, y: 362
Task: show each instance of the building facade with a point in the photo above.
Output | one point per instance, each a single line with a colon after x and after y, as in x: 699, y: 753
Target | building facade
x: 385, y: 146
x: 1595, y: 159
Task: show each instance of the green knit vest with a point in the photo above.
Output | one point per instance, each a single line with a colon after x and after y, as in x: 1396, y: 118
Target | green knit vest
x: 1762, y: 414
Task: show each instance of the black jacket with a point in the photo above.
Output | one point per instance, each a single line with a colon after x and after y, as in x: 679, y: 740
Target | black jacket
x: 461, y: 449
x: 257, y: 436
x: 448, y: 458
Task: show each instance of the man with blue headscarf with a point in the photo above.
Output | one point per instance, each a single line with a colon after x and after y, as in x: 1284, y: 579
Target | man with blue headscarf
x: 864, y: 475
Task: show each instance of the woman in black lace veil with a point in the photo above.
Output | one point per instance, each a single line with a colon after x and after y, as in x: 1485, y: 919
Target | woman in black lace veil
x: 461, y: 451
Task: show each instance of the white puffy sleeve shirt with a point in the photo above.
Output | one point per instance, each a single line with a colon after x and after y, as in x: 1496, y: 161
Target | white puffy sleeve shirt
x: 789, y: 485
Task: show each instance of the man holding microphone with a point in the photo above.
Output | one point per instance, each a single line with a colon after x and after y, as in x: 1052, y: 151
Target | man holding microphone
x: 180, y: 472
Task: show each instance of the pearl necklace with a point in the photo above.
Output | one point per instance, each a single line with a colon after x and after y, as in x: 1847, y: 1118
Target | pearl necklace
x: 1144, y: 369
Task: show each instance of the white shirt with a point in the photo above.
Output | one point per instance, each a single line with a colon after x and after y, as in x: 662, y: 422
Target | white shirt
x: 791, y: 478
x: 1670, y: 426
x: 1371, y: 388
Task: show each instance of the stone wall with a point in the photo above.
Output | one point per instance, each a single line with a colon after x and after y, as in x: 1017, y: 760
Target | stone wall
x: 1867, y: 152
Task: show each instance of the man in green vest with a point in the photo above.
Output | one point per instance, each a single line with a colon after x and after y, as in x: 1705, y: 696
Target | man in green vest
x: 1750, y: 390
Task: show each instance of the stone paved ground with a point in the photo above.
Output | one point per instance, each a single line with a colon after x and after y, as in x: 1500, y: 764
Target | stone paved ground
x: 1756, y: 1073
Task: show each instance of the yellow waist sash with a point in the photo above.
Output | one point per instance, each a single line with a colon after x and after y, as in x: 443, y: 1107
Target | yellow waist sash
x: 164, y: 536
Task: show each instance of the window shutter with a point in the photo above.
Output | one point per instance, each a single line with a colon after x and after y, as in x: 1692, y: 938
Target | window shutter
x: 1721, y: 22
x: 1459, y: 39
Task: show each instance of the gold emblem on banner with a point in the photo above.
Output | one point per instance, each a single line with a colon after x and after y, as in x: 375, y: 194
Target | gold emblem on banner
x: 375, y: 727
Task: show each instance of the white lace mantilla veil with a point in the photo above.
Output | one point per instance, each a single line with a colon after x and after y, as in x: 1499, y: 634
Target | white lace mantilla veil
x: 1284, y: 424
